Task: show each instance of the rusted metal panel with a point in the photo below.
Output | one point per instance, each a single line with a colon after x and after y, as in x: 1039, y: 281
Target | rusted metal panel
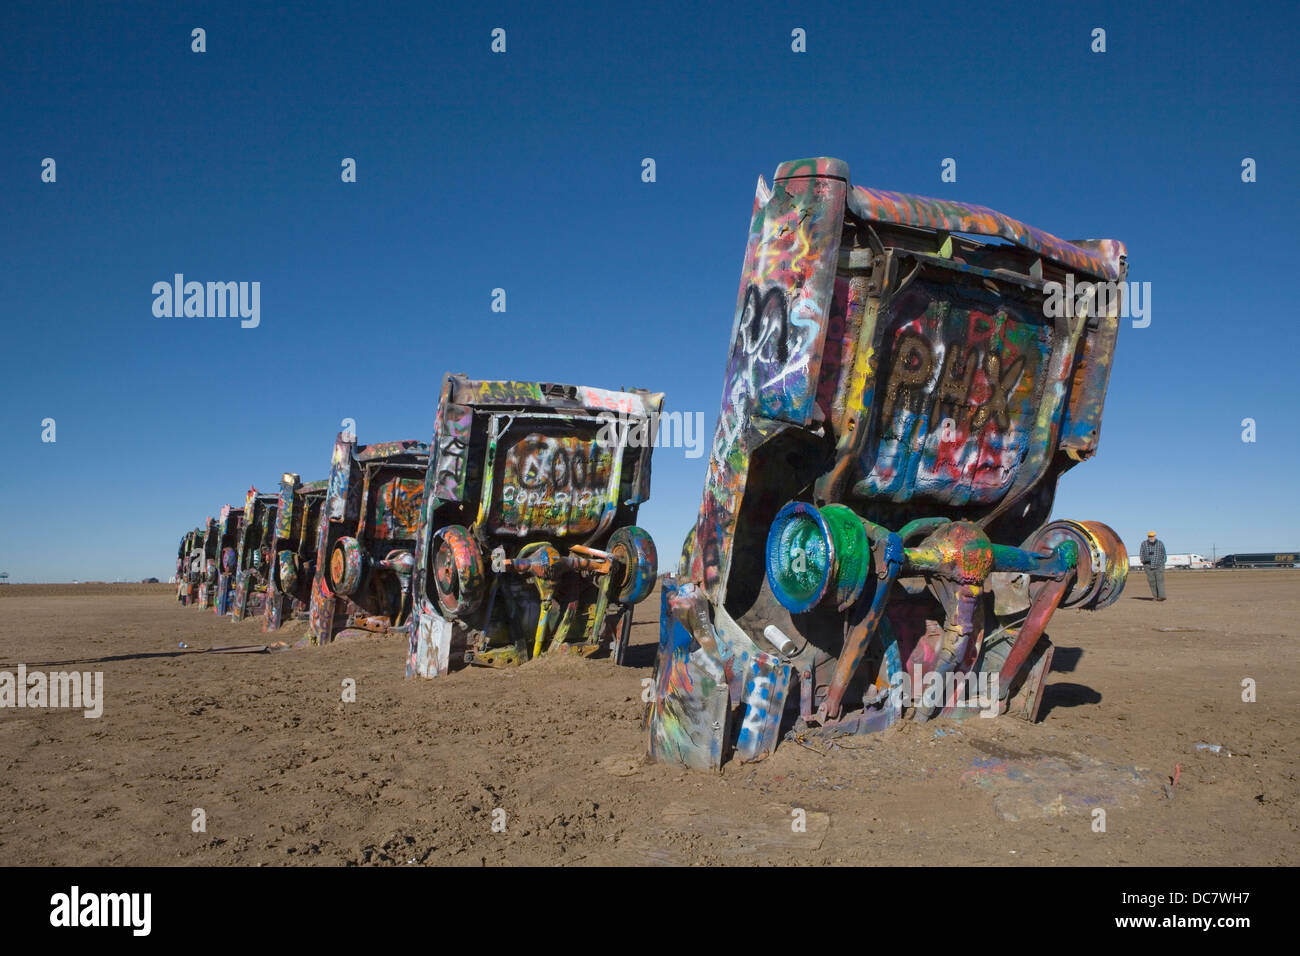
x: 687, y: 718
x: 527, y: 540
x: 899, y: 401
x: 1100, y: 258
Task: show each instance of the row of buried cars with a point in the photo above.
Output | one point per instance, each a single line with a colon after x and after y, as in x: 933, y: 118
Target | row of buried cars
x: 510, y: 534
x: 874, y: 542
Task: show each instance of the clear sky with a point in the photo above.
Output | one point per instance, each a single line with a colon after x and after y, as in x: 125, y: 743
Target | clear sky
x: 522, y: 171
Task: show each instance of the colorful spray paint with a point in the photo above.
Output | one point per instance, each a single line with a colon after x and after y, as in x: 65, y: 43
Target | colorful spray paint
x: 254, y: 554
x: 229, y: 527
x: 292, y: 562
x: 527, y: 542
x: 365, y: 538
x: 898, y: 406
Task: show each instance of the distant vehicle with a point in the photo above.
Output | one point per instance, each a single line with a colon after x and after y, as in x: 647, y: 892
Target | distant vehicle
x: 192, y: 587
x: 1189, y: 560
x: 1264, y: 559
x: 4, y: 577
x: 207, y: 563
x: 183, y: 552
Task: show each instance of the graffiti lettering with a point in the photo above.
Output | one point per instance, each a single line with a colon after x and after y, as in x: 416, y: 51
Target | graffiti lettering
x: 453, y: 430
x: 913, y: 363
x: 913, y: 368
x: 1000, y: 388
x: 763, y: 328
x: 955, y: 382
x: 451, y: 458
x: 554, y: 484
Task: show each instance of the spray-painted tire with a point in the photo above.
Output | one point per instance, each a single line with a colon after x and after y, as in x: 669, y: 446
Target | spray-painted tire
x: 458, y: 575
x: 1103, y: 561
x: 228, y: 559
x: 635, y: 550
x: 347, y: 563
x: 286, y: 572
x: 852, y: 553
x: 814, y: 552
x: 800, y: 557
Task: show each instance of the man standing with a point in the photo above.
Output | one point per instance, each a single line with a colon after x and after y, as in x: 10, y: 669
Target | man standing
x: 1152, y: 555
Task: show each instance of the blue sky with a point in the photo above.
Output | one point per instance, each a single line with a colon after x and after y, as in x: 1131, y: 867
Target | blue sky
x: 522, y: 171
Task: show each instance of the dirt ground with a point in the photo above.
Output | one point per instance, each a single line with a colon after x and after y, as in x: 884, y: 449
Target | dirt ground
x: 286, y: 772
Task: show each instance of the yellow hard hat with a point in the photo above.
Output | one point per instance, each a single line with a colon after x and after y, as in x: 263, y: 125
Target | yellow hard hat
x: 1151, y: 534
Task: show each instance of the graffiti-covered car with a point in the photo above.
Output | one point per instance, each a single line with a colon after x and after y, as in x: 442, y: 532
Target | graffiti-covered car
x: 182, y: 560
x: 293, y: 547
x: 205, y: 563
x: 908, y: 379
x: 229, y: 525
x: 527, y: 540
x: 253, y: 556
x: 181, y: 551
x: 189, y: 565
x: 366, y: 538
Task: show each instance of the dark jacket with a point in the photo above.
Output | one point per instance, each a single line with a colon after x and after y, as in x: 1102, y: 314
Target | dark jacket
x: 1152, y: 553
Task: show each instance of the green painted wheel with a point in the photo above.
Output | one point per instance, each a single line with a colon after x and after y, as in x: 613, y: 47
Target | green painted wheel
x: 852, y: 552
